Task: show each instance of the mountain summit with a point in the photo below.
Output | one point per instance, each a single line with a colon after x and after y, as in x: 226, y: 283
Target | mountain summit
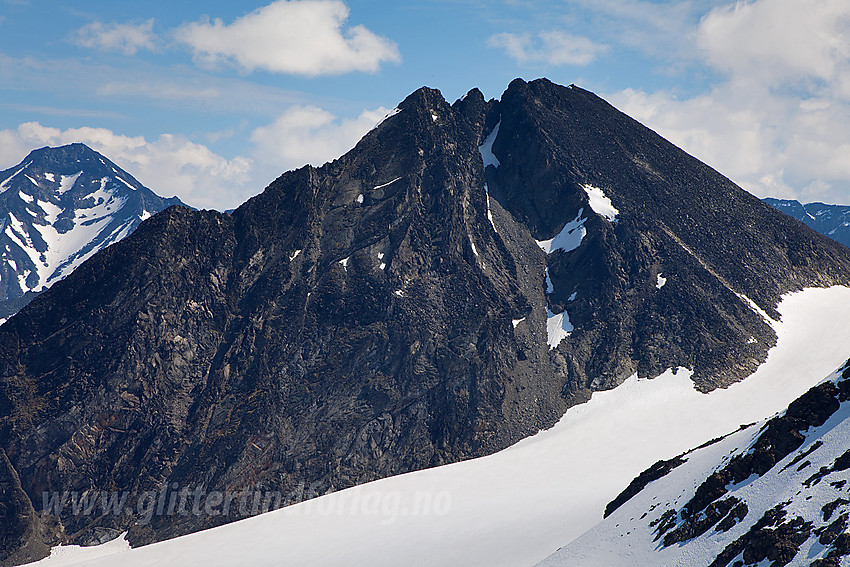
x: 451, y: 285
x: 58, y: 207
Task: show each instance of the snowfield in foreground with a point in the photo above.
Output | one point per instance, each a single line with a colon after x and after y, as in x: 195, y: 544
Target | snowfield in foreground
x: 518, y: 506
x: 775, y: 491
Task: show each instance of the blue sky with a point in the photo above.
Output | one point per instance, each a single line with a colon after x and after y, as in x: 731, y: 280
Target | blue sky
x: 212, y: 100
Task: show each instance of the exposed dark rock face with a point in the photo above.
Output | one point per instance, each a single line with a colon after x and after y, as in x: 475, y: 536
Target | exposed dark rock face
x: 383, y: 314
x: 58, y: 207
x: 271, y: 350
x: 773, y: 537
x: 781, y: 436
x: 656, y: 471
x: 23, y: 538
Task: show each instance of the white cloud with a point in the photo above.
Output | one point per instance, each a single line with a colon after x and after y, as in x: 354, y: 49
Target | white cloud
x: 300, y: 37
x: 170, y: 165
x: 779, y: 41
x: 308, y: 134
x: 552, y: 47
x: 127, y: 38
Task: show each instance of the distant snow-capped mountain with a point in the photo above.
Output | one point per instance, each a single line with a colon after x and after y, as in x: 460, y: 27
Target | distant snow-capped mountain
x: 57, y: 208
x: 831, y: 220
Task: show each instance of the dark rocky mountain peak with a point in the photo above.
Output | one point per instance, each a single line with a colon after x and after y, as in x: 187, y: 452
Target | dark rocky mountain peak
x: 58, y: 207
x: 722, y: 256
x: 451, y: 285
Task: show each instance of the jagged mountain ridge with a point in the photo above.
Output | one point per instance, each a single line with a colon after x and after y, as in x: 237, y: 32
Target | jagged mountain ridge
x: 391, y: 310
x: 58, y: 207
x: 830, y: 220
x: 773, y: 491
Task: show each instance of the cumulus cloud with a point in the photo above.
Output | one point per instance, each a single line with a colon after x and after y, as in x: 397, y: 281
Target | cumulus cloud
x: 299, y: 37
x: 779, y: 41
x: 552, y: 47
x: 309, y: 134
x: 127, y: 38
x: 169, y: 165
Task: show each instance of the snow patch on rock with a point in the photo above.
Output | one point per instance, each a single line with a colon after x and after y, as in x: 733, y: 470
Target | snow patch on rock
x: 754, y: 306
x: 558, y: 328
x: 568, y: 239
x: 549, y: 287
x: 381, y: 186
x: 600, y: 203
x: 66, y: 182
x: 389, y: 115
x: 489, y: 212
x: 486, y: 148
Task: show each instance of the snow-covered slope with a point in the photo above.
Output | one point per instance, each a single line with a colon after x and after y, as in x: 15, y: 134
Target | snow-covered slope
x: 518, y: 506
x: 775, y: 492
x: 57, y: 208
